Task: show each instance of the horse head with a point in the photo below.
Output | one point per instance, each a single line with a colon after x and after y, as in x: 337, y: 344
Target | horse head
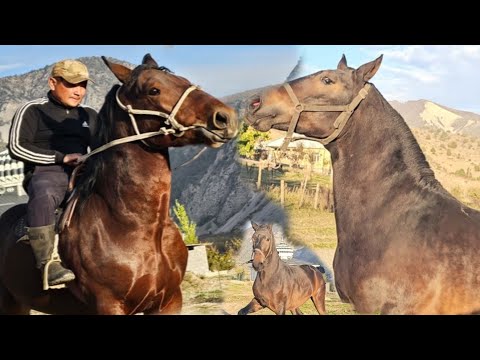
x: 156, y: 100
x: 311, y: 105
x: 263, y: 244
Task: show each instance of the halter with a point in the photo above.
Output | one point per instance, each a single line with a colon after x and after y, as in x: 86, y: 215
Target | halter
x: 175, y: 129
x: 255, y: 249
x: 339, y: 124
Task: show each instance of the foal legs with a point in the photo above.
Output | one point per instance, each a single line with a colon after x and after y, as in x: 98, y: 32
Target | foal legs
x: 296, y: 311
x: 253, y: 306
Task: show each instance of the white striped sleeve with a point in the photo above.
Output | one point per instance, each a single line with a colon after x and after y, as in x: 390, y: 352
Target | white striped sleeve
x: 15, y: 141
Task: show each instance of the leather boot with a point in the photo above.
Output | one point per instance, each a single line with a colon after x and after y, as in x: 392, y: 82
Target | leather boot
x: 42, y: 240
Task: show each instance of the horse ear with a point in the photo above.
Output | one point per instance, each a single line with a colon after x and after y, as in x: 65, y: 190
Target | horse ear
x: 148, y: 60
x: 342, y: 64
x: 122, y: 73
x: 255, y: 226
x: 270, y: 227
x: 366, y: 71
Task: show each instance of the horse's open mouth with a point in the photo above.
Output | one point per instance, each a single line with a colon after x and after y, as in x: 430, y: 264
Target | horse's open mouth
x: 261, y: 122
x: 216, y: 139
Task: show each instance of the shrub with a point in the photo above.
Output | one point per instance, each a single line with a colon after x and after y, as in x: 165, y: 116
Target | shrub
x: 187, y: 227
x: 223, y: 261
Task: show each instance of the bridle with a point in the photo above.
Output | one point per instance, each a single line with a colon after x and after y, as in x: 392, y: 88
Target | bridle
x: 339, y: 124
x: 175, y: 128
x: 256, y: 249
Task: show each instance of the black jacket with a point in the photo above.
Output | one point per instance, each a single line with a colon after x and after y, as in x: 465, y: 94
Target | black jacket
x: 43, y: 131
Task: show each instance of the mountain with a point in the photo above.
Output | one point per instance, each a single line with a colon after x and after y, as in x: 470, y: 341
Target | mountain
x: 422, y: 113
x: 209, y: 187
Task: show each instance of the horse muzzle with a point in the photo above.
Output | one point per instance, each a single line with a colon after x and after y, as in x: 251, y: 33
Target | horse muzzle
x: 222, y: 127
x: 257, y: 265
x: 225, y: 125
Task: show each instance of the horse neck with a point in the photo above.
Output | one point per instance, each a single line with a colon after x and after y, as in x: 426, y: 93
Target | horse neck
x: 376, y: 158
x: 136, y: 181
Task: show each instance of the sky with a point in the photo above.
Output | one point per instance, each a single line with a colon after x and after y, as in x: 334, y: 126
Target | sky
x: 219, y: 69
x: 445, y: 74
x: 448, y: 75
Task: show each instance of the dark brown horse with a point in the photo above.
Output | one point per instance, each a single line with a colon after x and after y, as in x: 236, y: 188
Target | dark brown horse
x: 279, y: 286
x: 126, y: 252
x: 405, y: 245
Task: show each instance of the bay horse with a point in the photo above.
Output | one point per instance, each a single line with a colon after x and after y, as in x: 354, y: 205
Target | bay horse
x: 127, y: 253
x: 405, y: 245
x: 279, y: 286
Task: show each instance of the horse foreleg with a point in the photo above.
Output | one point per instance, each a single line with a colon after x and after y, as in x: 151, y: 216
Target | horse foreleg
x: 319, y: 300
x: 296, y: 311
x: 173, y: 307
x: 280, y: 310
x: 253, y: 306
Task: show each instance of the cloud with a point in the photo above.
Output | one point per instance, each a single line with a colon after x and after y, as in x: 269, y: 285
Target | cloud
x: 5, y: 67
x: 446, y: 74
x: 426, y: 76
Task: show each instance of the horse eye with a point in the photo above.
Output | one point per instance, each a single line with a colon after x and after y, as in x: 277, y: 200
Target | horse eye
x: 327, y: 81
x: 153, y: 91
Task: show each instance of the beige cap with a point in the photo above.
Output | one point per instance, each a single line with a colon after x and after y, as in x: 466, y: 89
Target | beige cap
x: 72, y: 71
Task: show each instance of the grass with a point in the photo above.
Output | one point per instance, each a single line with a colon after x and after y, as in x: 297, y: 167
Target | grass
x: 313, y: 228
x: 308, y: 226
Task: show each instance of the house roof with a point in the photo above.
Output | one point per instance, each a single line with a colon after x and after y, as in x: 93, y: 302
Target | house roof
x: 306, y: 144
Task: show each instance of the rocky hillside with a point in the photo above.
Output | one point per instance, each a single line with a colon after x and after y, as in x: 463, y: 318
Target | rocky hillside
x: 426, y: 113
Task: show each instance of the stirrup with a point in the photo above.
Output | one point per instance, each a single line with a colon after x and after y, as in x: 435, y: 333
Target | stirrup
x: 54, y: 258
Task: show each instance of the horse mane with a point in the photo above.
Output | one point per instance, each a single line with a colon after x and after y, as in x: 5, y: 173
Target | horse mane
x: 102, y: 135
x: 104, y: 132
x: 414, y: 155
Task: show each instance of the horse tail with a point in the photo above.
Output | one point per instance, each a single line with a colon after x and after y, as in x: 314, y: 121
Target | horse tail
x: 321, y: 269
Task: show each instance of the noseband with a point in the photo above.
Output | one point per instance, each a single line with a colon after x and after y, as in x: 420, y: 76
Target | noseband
x: 256, y: 249
x: 175, y: 129
x: 339, y: 124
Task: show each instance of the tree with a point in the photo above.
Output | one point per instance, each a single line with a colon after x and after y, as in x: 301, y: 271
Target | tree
x: 186, y: 226
x: 247, y: 140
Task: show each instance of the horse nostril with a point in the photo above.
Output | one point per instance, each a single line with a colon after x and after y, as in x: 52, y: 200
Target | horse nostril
x: 254, y: 103
x: 220, y: 120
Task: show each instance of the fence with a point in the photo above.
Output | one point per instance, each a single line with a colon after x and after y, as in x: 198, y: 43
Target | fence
x: 11, y: 174
x: 301, y: 193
